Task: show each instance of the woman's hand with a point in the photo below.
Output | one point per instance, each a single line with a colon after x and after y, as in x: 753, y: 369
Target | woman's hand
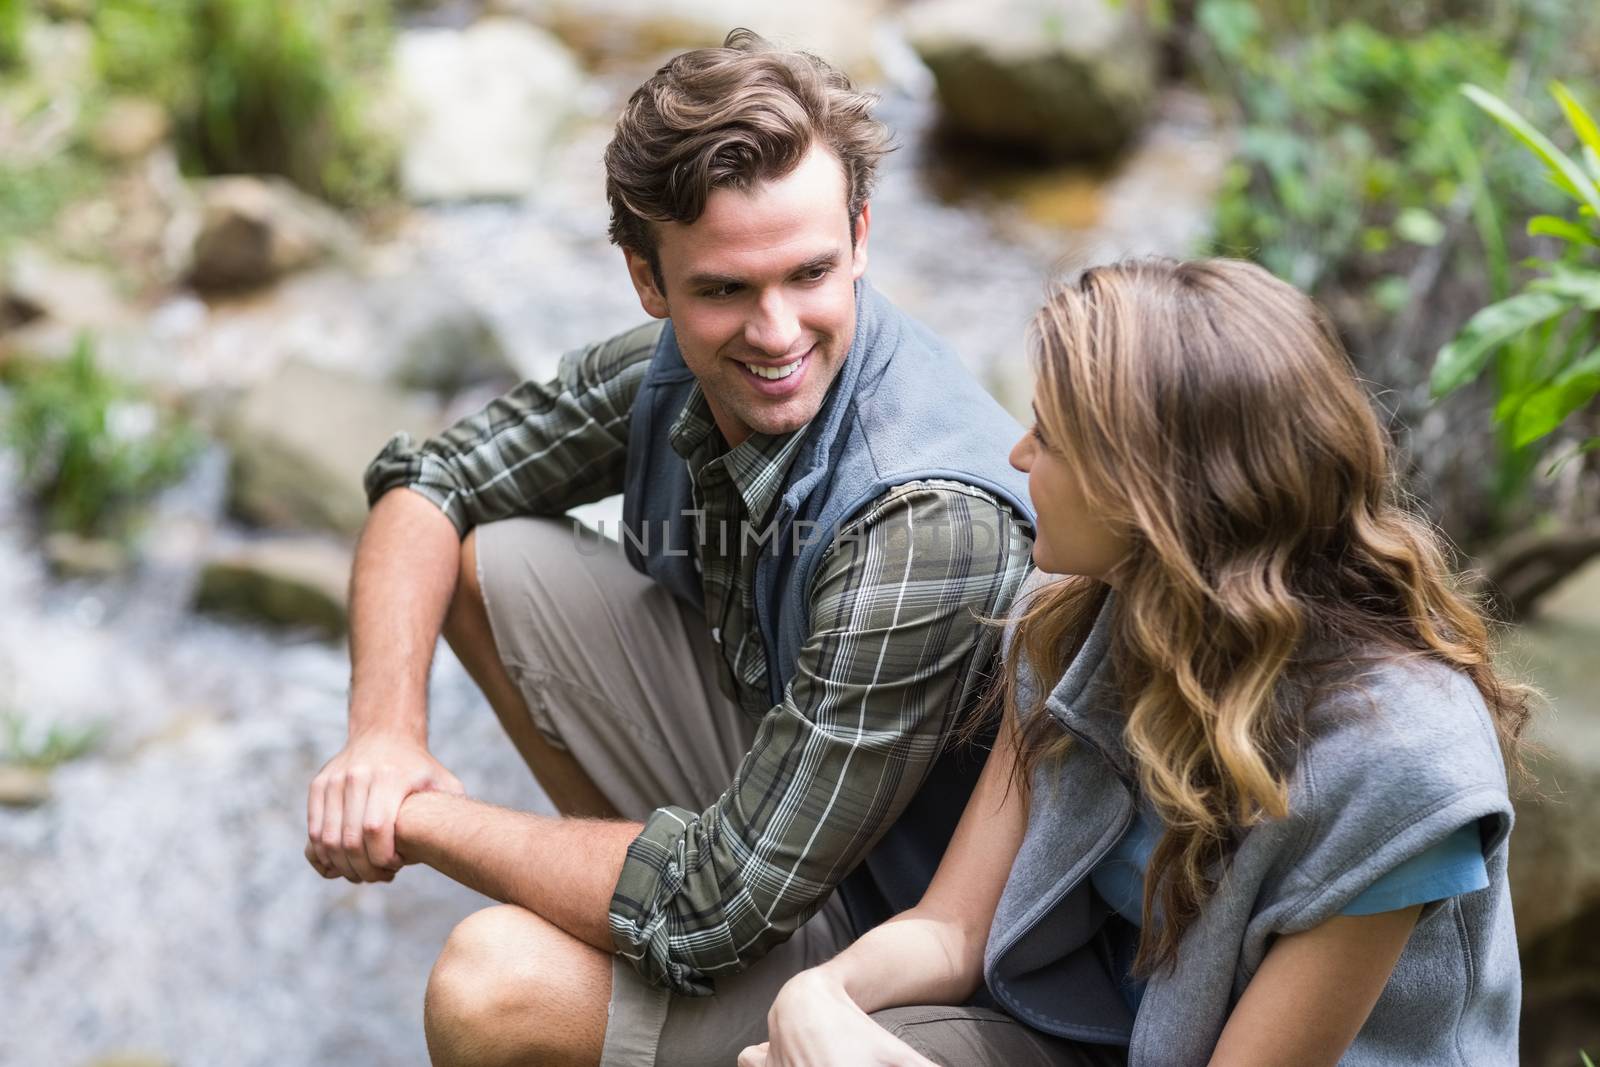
x: 814, y: 1023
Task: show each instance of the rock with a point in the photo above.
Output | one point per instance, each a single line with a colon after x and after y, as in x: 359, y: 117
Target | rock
x: 440, y: 340
x: 131, y: 1059
x: 23, y: 787
x: 1555, y: 871
x: 256, y: 229
x: 71, y: 556
x: 297, y: 582
x: 840, y: 31
x: 302, y: 440
x: 1059, y: 79
x: 39, y: 286
x: 144, y: 219
x: 130, y: 127
x: 59, y: 56
x: 483, y: 106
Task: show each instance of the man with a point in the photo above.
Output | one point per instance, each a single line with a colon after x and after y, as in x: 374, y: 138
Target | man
x: 819, y: 517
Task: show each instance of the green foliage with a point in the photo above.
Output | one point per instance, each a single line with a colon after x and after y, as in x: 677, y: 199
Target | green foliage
x: 1545, y: 339
x: 261, y: 86
x: 1352, y: 140
x: 49, y: 748
x: 13, y: 18
x: 91, y: 447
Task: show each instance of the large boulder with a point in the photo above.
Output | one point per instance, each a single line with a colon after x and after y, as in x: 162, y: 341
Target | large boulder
x: 35, y: 285
x: 302, y: 439
x: 481, y: 107
x: 254, y: 230
x: 130, y: 128
x: 840, y: 31
x: 1059, y: 79
x: 299, y: 583
x: 437, y: 338
x: 1555, y: 870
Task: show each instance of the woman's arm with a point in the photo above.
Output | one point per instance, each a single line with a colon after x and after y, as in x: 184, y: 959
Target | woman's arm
x: 931, y: 954
x: 1314, y: 991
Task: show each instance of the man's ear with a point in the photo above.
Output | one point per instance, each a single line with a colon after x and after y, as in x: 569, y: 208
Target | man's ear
x: 643, y: 276
x: 858, y: 258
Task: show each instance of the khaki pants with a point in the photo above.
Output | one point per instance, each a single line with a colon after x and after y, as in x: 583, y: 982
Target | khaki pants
x: 617, y: 672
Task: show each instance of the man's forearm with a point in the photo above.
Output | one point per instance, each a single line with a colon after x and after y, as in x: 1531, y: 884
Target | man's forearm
x: 406, y: 567
x: 561, y: 869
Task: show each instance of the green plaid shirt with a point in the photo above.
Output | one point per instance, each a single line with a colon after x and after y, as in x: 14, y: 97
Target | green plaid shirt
x: 896, y: 650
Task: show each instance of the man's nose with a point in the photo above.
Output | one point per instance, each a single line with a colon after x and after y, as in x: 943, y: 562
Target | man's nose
x: 773, y: 327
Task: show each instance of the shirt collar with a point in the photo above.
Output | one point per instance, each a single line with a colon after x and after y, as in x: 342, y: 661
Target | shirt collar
x: 757, y: 466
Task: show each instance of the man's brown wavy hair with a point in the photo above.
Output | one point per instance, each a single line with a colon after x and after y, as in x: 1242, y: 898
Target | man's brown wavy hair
x: 1213, y: 417
x: 730, y: 117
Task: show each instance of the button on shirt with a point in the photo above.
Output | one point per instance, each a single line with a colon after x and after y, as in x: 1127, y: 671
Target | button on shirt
x: 896, y: 649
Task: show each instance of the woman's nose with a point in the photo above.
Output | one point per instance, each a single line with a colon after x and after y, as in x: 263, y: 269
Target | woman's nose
x: 1021, y: 454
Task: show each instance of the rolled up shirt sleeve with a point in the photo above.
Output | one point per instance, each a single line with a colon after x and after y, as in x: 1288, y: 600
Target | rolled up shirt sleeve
x: 540, y: 449
x: 897, y: 649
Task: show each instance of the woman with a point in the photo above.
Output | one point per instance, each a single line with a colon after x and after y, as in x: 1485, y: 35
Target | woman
x: 1248, y: 801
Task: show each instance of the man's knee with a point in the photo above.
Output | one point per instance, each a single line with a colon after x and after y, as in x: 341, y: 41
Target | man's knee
x: 511, y: 988
x: 481, y: 988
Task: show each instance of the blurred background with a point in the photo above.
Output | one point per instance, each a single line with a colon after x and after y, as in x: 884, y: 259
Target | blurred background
x: 242, y: 242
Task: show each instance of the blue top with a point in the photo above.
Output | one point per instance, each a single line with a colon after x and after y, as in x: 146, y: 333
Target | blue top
x: 1455, y: 865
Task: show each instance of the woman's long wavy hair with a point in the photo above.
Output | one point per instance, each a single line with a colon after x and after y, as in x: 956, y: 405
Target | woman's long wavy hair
x: 1215, y: 421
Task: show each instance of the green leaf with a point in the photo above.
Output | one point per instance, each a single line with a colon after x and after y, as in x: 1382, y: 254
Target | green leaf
x: 1555, y: 226
x: 1231, y: 24
x: 1567, y: 174
x: 1582, y: 122
x: 1418, y: 226
x: 1546, y: 408
x: 1581, y: 287
x: 1462, y: 359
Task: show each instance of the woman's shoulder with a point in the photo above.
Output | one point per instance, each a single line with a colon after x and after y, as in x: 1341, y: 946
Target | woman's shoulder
x: 1399, y: 724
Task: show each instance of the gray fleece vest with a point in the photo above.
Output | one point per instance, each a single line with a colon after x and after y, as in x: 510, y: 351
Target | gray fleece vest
x: 903, y: 408
x: 1395, y: 763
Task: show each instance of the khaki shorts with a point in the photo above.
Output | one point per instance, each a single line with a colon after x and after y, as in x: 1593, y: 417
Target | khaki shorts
x: 623, y: 676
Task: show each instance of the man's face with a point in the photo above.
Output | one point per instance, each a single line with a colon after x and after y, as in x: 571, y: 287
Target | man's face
x: 760, y: 289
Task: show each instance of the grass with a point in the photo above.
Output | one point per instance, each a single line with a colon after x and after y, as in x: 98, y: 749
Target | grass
x: 46, y: 749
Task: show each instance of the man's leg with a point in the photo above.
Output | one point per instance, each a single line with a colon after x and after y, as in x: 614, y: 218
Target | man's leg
x: 466, y: 628
x: 978, y: 1037
x: 606, y: 685
x: 512, y: 989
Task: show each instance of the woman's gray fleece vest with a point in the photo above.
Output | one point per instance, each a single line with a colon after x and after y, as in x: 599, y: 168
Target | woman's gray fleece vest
x: 903, y: 408
x: 1394, y: 762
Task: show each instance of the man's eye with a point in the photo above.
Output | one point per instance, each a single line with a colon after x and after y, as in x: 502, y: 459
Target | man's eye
x: 720, y: 291
x: 816, y: 274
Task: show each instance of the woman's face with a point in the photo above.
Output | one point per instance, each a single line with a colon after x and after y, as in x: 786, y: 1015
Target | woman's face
x: 1071, y: 537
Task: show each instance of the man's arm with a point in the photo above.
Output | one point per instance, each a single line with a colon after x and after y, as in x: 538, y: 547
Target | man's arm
x: 561, y: 869
x: 404, y: 575
x: 539, y: 450
x: 896, y: 648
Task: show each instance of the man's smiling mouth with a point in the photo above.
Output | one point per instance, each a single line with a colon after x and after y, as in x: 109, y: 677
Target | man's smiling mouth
x: 776, y: 372
x: 773, y: 374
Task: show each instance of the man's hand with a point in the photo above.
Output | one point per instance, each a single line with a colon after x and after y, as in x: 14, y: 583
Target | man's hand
x: 353, y: 801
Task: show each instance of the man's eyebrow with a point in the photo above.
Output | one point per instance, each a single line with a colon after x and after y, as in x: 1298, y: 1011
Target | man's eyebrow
x: 710, y: 281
